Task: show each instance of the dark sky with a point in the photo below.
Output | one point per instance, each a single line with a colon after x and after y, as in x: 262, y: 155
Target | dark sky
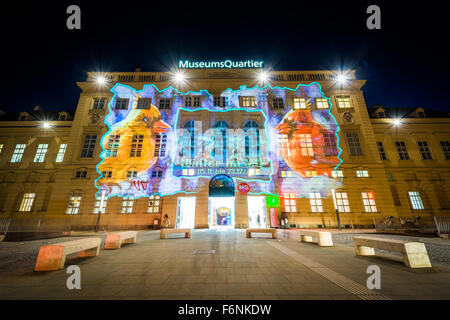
x: 406, y: 63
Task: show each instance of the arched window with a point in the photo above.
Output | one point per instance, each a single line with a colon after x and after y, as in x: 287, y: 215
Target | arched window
x: 248, y: 126
x: 190, y: 126
x: 221, y: 128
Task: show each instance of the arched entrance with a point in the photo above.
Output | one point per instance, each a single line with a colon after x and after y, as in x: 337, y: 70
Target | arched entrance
x: 221, y: 202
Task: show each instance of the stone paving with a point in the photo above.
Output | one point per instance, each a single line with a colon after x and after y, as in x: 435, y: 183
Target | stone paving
x: 240, y: 268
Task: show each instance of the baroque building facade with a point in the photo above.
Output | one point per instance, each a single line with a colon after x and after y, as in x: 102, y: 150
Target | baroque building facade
x: 222, y: 148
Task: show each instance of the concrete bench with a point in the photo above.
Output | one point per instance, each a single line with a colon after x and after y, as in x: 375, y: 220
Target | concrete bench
x: 115, y: 240
x: 248, y: 232
x: 53, y: 257
x: 414, y: 253
x: 187, y: 232
x: 322, y: 238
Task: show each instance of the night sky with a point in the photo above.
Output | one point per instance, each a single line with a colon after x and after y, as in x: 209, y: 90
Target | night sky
x: 406, y: 63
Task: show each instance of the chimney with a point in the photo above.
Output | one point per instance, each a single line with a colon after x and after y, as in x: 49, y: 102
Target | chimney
x: 138, y: 69
x: 37, y: 108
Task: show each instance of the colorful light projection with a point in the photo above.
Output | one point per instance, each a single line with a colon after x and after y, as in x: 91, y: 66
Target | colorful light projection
x: 194, y: 136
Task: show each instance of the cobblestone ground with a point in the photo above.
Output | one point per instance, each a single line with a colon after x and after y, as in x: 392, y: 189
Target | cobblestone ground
x: 238, y: 268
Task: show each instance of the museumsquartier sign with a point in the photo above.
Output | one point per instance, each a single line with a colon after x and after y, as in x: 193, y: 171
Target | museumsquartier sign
x: 226, y: 64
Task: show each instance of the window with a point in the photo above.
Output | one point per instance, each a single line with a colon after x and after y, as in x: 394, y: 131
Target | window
x: 127, y: 205
x: 343, y: 102
x: 316, y: 202
x: 18, y: 152
x: 136, y: 146
x: 329, y: 144
x: 189, y: 142
x: 196, y: 101
x: 362, y: 173
x: 322, y: 103
x: 107, y: 174
x: 121, y: 104
x: 62, y: 117
x: 164, y: 103
x: 283, y: 145
x: 112, y: 147
x: 154, y: 204
x: 23, y: 117
x: 81, y: 174
x: 416, y: 200
x: 390, y: 176
x: 354, y: 144
x: 445, y: 145
x: 157, y: 174
x: 188, y: 101
x: 88, y: 146
x: 1, y: 148
x: 160, y: 145
x: 289, y: 202
x: 61, y: 152
x: 99, y: 104
x: 286, y: 174
x: 221, y: 128
x: 299, y: 103
x: 132, y: 174
x: 381, y: 114
x: 144, y: 103
x: 421, y: 114
x: 277, y: 103
x: 27, y: 202
x: 254, y: 172
x: 220, y: 101
x: 381, y: 150
x: 402, y: 151
x: 369, y: 201
x: 310, y: 173
x: 251, y: 126
x: 248, y: 101
x: 41, y: 151
x: 337, y: 174
x: 424, y: 150
x: 97, y: 203
x: 306, y: 145
x: 188, y: 172
x: 342, y: 202
x: 74, y: 204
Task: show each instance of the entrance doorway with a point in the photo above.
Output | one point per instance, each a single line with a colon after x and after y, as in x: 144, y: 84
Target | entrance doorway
x: 221, y: 202
x: 186, y: 212
x: 257, y: 217
x: 221, y: 212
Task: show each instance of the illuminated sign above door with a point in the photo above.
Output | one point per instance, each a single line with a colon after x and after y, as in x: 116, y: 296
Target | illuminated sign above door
x: 226, y: 64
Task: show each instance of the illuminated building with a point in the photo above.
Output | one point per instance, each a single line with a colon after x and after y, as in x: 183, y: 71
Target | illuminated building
x: 216, y: 147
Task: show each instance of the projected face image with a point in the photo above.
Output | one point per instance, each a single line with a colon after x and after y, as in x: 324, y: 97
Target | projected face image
x: 164, y: 142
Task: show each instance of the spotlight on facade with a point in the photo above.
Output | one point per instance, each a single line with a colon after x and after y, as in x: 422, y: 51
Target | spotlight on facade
x: 46, y: 125
x: 101, y: 81
x: 263, y: 76
x: 179, y: 77
x: 397, y: 122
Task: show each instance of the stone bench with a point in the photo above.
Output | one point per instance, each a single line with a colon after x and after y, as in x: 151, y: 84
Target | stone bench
x: 414, y: 253
x: 115, y: 240
x: 53, y: 257
x: 187, y: 232
x: 248, y: 232
x: 322, y: 238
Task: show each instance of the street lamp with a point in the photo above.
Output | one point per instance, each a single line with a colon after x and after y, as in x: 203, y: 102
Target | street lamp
x: 46, y: 125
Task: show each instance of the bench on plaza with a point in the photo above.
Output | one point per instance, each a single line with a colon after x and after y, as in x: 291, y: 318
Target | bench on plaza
x: 248, y: 232
x: 187, y: 232
x: 53, y: 257
x: 322, y: 238
x: 414, y: 253
x: 115, y: 240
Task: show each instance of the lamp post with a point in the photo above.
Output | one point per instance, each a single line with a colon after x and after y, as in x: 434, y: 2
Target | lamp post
x: 337, y: 210
x: 100, y: 211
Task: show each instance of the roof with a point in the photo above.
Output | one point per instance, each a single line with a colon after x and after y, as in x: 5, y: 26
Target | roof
x: 39, y: 115
x: 402, y: 113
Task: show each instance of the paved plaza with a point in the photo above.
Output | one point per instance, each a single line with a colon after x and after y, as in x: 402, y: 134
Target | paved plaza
x: 215, y: 264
